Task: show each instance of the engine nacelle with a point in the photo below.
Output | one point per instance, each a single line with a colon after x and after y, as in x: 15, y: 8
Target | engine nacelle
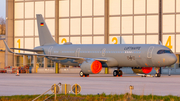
x: 142, y: 70
x: 91, y: 66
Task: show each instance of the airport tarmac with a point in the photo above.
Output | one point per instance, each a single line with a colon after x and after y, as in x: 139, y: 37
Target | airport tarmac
x: 97, y: 83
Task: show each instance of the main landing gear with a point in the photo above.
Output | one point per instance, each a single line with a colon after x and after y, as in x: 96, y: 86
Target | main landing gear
x: 83, y: 75
x: 117, y: 72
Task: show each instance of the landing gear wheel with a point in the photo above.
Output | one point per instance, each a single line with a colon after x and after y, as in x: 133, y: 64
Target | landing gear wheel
x: 115, y: 73
x: 87, y: 75
x: 120, y: 73
x: 81, y: 74
x: 157, y: 75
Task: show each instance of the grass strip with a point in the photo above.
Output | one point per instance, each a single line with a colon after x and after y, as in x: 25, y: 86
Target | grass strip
x: 100, y: 97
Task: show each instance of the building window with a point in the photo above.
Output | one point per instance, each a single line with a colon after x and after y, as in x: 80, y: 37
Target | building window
x: 40, y: 61
x: 19, y: 61
x: 50, y: 63
x: 30, y: 61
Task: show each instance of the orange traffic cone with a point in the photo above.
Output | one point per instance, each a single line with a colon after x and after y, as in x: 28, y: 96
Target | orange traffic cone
x: 17, y: 73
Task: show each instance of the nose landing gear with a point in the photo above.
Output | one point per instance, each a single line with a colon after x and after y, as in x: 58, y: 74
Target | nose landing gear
x: 157, y: 75
x: 158, y: 71
x: 117, y: 72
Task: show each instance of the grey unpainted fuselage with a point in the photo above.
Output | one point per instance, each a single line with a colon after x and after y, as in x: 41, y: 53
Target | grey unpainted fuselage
x: 118, y: 55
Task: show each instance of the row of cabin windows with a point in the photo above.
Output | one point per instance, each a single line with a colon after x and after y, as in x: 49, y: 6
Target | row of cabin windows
x: 103, y: 52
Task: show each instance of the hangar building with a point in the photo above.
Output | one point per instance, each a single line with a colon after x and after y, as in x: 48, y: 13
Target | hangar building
x: 90, y: 22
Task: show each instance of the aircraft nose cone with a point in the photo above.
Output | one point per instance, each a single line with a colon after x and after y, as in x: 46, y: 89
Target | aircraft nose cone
x: 172, y: 59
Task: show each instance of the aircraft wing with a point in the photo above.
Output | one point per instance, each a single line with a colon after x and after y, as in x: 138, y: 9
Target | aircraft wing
x: 31, y: 50
x: 52, y: 56
x: 101, y: 59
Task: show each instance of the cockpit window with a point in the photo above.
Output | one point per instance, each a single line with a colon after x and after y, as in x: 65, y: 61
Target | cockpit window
x: 164, y: 51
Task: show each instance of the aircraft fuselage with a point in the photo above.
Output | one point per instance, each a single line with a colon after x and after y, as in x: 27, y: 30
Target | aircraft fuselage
x: 118, y: 55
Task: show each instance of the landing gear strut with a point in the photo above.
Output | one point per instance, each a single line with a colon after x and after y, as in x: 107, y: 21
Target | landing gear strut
x: 117, y: 72
x: 83, y: 75
x: 158, y: 71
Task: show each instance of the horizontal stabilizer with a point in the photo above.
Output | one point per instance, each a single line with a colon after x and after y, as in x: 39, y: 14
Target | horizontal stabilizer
x: 7, y: 47
x: 31, y: 50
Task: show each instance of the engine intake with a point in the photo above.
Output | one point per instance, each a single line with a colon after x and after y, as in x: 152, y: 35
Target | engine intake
x: 91, y: 66
x: 142, y: 70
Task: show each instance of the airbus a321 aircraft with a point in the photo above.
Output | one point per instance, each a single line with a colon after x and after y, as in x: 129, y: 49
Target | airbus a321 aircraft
x: 91, y: 58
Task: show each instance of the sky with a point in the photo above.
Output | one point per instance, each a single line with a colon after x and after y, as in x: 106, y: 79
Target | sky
x: 3, y: 8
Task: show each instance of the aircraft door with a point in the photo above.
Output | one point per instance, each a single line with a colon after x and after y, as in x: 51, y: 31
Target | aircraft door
x: 103, y: 52
x: 50, y: 50
x: 77, y: 52
x: 149, y: 53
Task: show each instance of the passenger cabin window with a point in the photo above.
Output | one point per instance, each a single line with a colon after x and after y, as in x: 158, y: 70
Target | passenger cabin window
x: 164, y: 51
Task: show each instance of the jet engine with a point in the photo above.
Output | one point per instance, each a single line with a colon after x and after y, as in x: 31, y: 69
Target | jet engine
x: 91, y: 66
x: 142, y: 70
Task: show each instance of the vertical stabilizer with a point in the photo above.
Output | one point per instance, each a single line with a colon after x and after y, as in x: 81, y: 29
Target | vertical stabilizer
x: 45, y: 37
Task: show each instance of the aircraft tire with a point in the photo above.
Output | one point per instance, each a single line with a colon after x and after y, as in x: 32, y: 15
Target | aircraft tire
x: 157, y: 75
x: 81, y: 74
x: 120, y: 73
x: 115, y: 73
x: 87, y: 75
x: 143, y: 76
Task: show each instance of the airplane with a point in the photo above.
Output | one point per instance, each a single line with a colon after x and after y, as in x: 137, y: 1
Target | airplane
x: 93, y: 57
